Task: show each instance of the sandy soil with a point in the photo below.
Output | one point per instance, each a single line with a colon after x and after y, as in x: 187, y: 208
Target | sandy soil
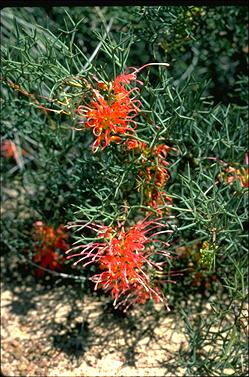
x: 51, y: 331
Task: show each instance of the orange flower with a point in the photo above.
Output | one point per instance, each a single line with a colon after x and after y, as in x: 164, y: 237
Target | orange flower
x: 125, y: 259
x: 125, y: 79
x: 46, y: 258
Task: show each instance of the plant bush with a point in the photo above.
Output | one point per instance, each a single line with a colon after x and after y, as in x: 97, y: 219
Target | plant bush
x: 141, y: 172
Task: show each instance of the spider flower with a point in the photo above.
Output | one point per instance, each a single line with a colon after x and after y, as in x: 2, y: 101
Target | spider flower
x: 136, y: 145
x: 152, y: 172
x: 111, y: 114
x: 10, y: 150
x: 111, y: 117
x: 47, y: 241
x: 125, y: 259
x: 239, y: 174
x: 236, y: 173
x: 46, y: 258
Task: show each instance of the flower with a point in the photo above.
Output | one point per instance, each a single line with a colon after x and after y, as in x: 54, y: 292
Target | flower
x: 125, y: 259
x: 47, y: 241
x: 240, y: 174
x: 9, y: 149
x: 134, y: 144
x: 111, y: 115
x: 237, y: 174
x: 139, y: 295
x: 46, y: 258
x: 152, y: 172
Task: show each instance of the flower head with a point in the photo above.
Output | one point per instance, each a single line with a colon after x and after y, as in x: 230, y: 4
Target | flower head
x: 234, y: 172
x: 237, y: 174
x: 47, y: 242
x: 125, y: 259
x: 10, y: 150
x: 153, y: 173
x: 135, y: 145
x: 112, y: 108
x: 111, y: 114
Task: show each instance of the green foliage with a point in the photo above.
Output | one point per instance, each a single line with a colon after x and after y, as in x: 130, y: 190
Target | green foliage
x: 198, y: 106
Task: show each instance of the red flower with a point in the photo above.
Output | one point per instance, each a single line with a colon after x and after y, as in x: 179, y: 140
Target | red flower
x: 134, y: 144
x: 241, y: 174
x: 46, y: 241
x: 125, y: 259
x: 152, y: 172
x: 111, y: 117
x: 46, y: 258
x: 162, y: 150
x: 237, y: 174
x: 125, y: 79
x: 9, y: 149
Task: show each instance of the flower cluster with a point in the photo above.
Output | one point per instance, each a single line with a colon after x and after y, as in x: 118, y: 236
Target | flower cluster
x: 47, y: 242
x: 152, y: 172
x: 111, y: 113
x: 10, y: 150
x: 125, y: 258
x: 239, y: 174
x: 112, y: 108
x: 125, y: 255
x: 233, y: 173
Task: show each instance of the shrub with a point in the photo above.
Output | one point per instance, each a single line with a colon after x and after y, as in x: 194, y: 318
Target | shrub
x: 119, y: 155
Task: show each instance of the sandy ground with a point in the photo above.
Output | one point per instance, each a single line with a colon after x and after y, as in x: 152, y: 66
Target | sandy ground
x: 55, y: 330
x: 51, y: 331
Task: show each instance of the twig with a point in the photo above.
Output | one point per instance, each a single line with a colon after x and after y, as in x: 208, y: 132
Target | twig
x: 98, y: 46
x: 61, y: 274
